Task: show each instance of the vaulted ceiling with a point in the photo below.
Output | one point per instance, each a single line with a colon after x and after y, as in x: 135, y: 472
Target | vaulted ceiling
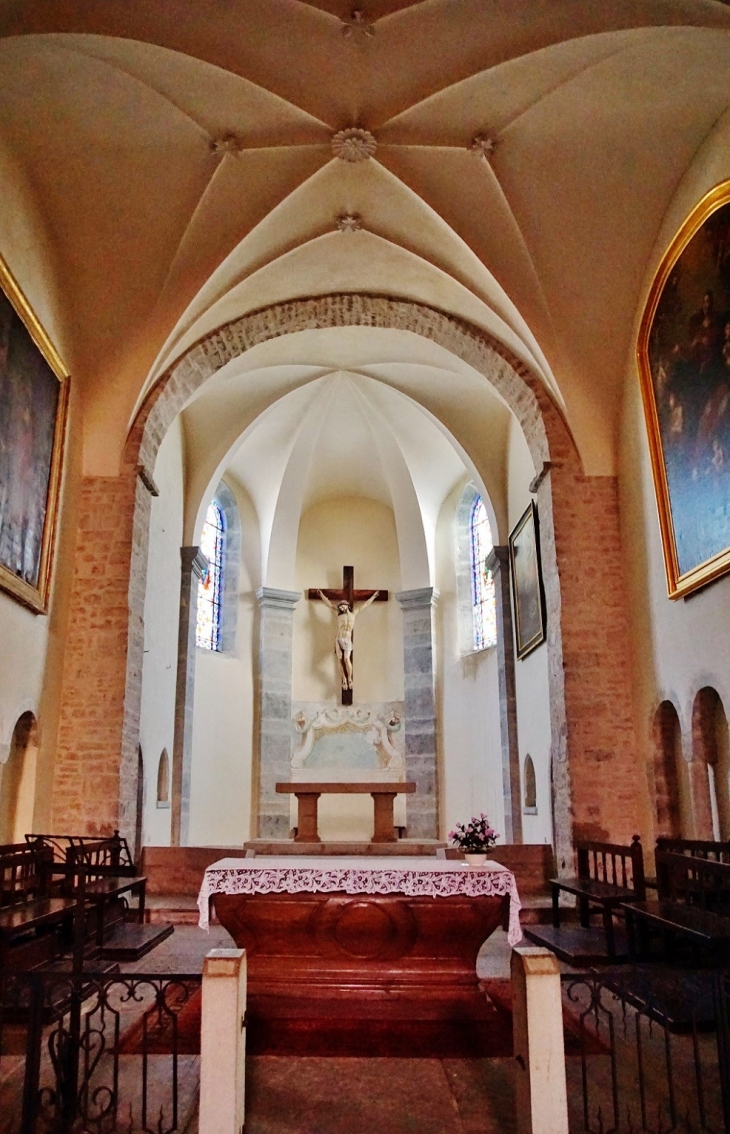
x: 171, y: 166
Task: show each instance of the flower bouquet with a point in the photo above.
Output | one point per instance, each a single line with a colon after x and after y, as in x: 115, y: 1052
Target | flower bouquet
x: 475, y: 838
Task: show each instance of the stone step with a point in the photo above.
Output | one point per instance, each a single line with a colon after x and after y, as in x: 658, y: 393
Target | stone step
x: 404, y: 847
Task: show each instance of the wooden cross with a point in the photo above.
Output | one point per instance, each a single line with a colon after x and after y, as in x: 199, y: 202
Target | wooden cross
x: 347, y: 593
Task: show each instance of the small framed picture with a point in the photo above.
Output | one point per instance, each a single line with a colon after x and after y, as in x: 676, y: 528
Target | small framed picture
x: 684, y: 365
x: 527, y: 590
x: 33, y: 401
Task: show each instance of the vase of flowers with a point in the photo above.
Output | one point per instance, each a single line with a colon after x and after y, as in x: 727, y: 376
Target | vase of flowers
x: 475, y: 838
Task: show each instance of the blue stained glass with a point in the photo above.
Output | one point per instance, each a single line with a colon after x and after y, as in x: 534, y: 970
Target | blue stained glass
x: 484, y: 605
x: 210, y: 590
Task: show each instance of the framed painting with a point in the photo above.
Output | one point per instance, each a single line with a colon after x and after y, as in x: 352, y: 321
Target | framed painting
x: 33, y: 400
x: 684, y: 365
x: 527, y: 590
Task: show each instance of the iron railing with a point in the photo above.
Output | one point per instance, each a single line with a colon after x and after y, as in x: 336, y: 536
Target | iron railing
x: 651, y: 1051
x: 98, y: 1052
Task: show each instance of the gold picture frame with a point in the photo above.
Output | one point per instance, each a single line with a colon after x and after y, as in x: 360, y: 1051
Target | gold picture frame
x: 528, y: 594
x: 34, y: 386
x: 683, y: 356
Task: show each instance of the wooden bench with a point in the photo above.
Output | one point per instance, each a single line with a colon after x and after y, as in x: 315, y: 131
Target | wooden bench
x: 609, y: 875
x: 35, y: 923
x: 693, y: 904
x: 105, y: 870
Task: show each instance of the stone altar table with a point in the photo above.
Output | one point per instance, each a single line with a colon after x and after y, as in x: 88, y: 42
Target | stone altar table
x: 383, y: 794
x: 379, y: 953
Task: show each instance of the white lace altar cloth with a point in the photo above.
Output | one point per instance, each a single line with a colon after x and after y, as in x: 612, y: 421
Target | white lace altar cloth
x: 352, y: 874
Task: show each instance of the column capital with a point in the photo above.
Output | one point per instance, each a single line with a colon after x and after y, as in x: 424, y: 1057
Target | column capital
x: 192, y: 559
x: 498, y: 558
x: 271, y: 598
x: 421, y: 598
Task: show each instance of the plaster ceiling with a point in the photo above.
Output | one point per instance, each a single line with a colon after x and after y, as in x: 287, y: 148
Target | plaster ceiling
x: 608, y: 121
x: 345, y: 435
x: 437, y: 408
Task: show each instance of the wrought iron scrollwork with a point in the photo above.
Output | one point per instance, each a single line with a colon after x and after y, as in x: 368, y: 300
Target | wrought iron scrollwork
x: 88, y: 1046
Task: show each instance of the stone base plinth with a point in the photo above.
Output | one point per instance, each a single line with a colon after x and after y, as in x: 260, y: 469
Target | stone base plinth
x: 288, y: 846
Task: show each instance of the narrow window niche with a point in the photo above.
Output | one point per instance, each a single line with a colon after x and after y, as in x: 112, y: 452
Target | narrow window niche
x: 163, y: 780
x: 530, y: 804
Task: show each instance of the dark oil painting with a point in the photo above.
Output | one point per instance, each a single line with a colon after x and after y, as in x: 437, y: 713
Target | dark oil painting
x: 527, y: 588
x: 689, y: 364
x: 29, y: 404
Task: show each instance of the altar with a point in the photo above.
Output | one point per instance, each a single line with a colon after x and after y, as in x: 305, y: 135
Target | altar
x: 333, y: 942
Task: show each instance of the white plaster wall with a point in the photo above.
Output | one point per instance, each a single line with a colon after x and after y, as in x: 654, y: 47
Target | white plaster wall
x: 361, y: 532
x: 531, y: 673
x: 223, y: 715
x: 470, y: 751
x: 31, y: 645
x: 679, y: 646
x: 162, y: 604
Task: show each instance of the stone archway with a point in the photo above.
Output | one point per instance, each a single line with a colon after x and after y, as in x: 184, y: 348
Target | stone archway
x: 592, y: 731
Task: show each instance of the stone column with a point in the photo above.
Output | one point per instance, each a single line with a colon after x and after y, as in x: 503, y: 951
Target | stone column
x: 420, y: 712
x: 193, y: 566
x: 275, y: 680
x: 498, y: 564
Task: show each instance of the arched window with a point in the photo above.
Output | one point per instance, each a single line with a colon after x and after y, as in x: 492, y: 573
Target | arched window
x: 210, y: 591
x: 484, y: 608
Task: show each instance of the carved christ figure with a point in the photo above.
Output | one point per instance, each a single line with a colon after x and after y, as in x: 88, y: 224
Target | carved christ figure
x: 346, y: 616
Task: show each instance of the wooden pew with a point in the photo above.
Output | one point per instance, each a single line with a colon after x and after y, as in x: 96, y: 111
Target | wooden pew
x: 35, y: 922
x: 609, y: 875
x: 109, y: 877
x: 693, y: 904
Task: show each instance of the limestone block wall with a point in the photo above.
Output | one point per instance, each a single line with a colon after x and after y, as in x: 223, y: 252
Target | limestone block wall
x: 275, y: 684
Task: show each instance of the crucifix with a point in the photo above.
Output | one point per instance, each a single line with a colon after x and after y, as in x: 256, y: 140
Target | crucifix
x: 342, y: 602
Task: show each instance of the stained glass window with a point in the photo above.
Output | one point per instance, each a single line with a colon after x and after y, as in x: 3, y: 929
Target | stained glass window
x: 210, y: 591
x: 484, y: 607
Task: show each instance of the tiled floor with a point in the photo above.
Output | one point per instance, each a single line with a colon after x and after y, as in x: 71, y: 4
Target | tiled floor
x: 362, y: 1096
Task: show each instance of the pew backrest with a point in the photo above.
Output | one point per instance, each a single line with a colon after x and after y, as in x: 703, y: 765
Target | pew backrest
x: 24, y: 873
x: 694, y: 881
x: 101, y: 854
x: 696, y: 848
x: 613, y: 863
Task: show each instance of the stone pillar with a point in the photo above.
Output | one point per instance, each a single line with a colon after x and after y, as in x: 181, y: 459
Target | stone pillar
x: 95, y: 770
x: 275, y: 681
x: 420, y: 711
x: 498, y: 564
x: 541, y: 1095
x: 193, y: 566
x: 223, y: 1042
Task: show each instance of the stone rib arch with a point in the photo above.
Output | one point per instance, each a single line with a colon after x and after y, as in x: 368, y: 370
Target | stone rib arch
x: 579, y: 520
x: 524, y: 393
